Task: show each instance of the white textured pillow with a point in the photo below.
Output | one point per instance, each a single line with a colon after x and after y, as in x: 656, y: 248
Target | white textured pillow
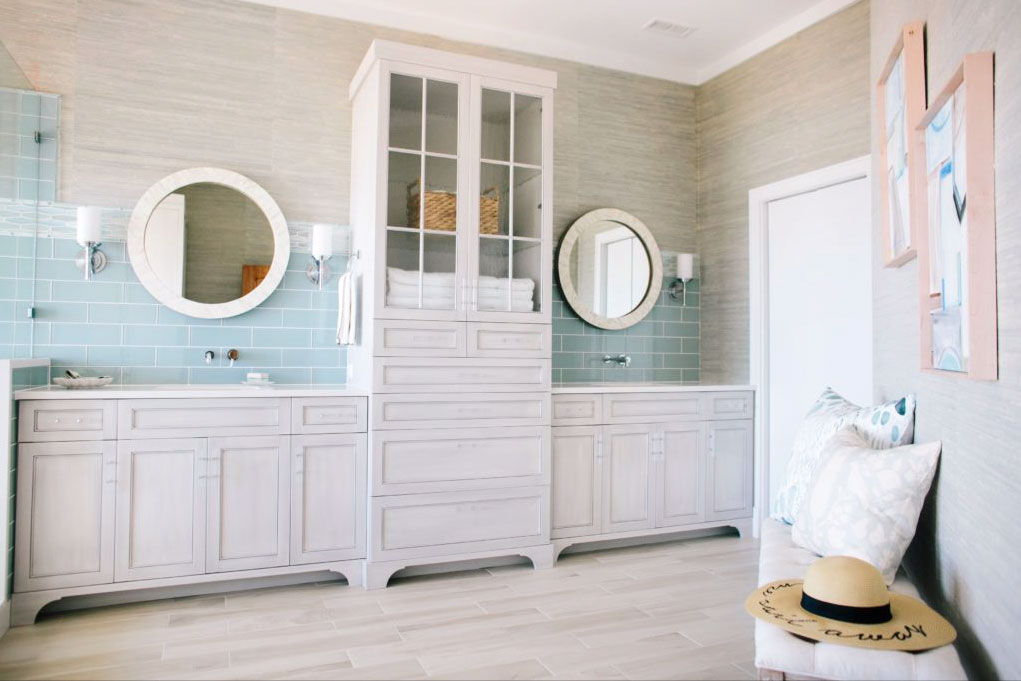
x: 883, y: 426
x: 865, y: 502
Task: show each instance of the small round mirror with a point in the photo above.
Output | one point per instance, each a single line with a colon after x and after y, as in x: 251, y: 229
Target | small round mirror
x: 208, y: 243
x: 610, y: 268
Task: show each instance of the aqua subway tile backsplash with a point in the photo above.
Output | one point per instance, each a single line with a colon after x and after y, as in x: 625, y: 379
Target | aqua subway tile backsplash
x: 663, y: 347
x: 112, y: 326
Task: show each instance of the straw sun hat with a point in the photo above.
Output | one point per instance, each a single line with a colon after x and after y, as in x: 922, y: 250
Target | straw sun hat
x: 845, y: 600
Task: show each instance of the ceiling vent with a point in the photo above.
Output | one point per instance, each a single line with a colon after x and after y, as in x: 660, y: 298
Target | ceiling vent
x: 668, y: 28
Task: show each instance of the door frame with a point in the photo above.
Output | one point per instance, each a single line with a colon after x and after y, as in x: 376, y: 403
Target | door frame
x: 759, y: 199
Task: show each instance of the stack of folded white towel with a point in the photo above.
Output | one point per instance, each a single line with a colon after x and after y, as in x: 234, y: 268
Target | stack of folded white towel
x: 493, y: 294
x: 402, y: 289
x: 438, y: 291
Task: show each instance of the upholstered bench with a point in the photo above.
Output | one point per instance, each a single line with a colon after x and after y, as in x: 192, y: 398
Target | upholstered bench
x: 780, y: 655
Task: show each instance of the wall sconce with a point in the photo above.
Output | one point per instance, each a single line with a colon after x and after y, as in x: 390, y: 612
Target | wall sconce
x: 89, y: 232
x: 685, y: 273
x: 322, y: 249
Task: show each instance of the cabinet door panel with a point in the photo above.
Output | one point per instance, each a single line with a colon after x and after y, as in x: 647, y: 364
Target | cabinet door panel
x: 65, y: 515
x: 161, y: 508
x: 577, y: 481
x: 327, y: 498
x: 627, y: 478
x: 248, y: 510
x: 730, y: 470
x: 680, y: 475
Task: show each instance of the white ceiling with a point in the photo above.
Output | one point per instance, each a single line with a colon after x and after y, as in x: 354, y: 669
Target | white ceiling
x: 604, y: 33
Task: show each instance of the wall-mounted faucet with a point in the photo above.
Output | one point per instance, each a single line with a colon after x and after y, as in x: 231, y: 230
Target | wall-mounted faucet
x: 209, y: 356
x: 621, y: 360
x: 232, y: 355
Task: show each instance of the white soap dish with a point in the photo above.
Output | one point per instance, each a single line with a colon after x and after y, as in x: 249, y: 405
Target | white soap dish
x: 83, y: 381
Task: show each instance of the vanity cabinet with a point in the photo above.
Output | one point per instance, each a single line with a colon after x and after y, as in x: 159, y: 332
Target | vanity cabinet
x: 161, y: 508
x: 64, y: 533
x: 328, y: 498
x: 249, y: 503
x: 169, y: 507
x: 688, y: 464
x: 730, y: 470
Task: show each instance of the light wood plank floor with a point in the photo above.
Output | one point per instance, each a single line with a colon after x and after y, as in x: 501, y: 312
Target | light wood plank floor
x: 665, y: 611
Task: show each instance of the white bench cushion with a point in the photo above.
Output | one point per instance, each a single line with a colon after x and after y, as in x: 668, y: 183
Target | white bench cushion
x: 779, y: 650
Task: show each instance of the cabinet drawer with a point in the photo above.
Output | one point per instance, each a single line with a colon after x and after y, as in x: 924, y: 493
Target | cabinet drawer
x: 200, y: 418
x: 652, y: 407
x: 460, y: 410
x: 66, y: 420
x: 509, y: 340
x: 444, y: 523
x: 329, y: 415
x: 577, y: 410
x: 397, y: 338
x: 410, y: 461
x: 409, y: 374
x: 730, y: 405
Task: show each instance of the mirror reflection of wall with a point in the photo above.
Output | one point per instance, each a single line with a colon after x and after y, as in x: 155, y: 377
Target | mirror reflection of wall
x: 610, y: 269
x: 209, y: 243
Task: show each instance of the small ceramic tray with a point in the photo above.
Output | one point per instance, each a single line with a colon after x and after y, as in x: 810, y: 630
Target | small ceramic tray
x: 84, y: 381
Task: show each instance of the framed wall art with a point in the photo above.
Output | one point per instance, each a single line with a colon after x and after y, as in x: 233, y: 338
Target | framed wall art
x: 956, y: 225
x: 900, y: 103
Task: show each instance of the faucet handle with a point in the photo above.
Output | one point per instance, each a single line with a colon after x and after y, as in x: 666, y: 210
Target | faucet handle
x: 232, y: 355
x: 209, y: 356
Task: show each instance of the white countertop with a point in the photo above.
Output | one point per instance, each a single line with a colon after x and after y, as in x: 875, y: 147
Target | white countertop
x: 641, y: 387
x: 180, y: 391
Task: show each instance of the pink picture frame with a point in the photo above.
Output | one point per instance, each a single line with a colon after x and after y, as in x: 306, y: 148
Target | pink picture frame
x: 900, y: 103
x: 956, y: 225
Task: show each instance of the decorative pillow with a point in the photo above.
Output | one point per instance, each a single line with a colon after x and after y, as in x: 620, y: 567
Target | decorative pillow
x: 886, y: 425
x: 865, y: 502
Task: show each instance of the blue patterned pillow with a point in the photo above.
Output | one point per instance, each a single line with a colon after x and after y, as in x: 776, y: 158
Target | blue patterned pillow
x: 884, y: 426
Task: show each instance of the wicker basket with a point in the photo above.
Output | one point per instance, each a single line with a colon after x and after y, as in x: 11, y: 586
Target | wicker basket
x: 441, y: 210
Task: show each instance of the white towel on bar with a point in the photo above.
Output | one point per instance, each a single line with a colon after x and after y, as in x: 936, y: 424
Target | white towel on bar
x: 345, y: 310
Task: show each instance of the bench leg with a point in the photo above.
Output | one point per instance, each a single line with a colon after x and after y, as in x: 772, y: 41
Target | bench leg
x: 770, y: 675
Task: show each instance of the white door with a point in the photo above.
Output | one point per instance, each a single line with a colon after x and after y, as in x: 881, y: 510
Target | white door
x: 819, y: 317
x: 680, y: 475
x: 248, y: 508
x: 729, y: 473
x: 627, y: 477
x: 576, y: 481
x: 165, y: 242
x: 327, y: 498
x: 64, y: 520
x: 161, y: 508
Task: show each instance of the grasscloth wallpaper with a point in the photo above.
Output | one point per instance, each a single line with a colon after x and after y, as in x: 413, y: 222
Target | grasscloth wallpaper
x: 153, y: 86
x: 799, y: 106
x: 965, y: 553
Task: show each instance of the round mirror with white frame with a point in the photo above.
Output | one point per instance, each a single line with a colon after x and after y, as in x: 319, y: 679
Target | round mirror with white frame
x: 610, y: 268
x: 208, y: 243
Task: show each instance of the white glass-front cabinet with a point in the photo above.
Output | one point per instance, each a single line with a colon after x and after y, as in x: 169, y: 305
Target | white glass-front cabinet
x: 460, y: 209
